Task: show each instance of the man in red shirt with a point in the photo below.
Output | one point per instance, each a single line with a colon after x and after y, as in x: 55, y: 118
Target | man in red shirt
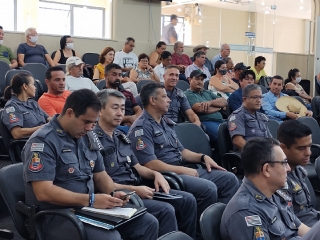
x: 53, y: 101
x: 181, y: 60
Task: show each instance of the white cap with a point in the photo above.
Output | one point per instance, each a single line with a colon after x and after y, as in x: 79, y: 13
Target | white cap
x: 73, y: 61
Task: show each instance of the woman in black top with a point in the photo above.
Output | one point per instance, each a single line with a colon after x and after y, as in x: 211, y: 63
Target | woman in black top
x: 66, y: 50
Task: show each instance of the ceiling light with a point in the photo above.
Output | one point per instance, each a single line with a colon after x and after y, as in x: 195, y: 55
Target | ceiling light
x: 200, y: 20
x: 274, y: 22
x: 266, y: 12
x: 179, y: 9
x: 301, y: 1
x: 301, y: 7
x: 248, y: 26
x: 262, y: 3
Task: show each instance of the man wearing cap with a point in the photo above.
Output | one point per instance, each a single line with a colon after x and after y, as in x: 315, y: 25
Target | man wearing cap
x: 224, y: 52
x: 235, y: 100
x: 205, y: 104
x: 270, y: 98
x: 165, y: 59
x: 246, y: 122
x: 238, y: 69
x: 6, y: 54
x: 207, y: 63
x: 74, y: 79
x: 198, y: 64
x: 169, y: 34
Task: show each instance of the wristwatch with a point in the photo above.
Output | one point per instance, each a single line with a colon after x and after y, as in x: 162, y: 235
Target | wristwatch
x: 202, y: 158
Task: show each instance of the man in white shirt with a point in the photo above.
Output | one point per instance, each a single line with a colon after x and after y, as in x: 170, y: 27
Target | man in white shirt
x: 74, y: 81
x: 126, y: 58
x: 165, y: 62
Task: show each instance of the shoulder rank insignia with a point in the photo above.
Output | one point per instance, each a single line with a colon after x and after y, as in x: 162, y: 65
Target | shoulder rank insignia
x: 258, y: 197
x: 124, y: 138
x: 284, y: 195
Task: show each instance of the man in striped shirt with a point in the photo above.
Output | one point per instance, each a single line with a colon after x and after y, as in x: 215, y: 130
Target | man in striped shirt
x: 198, y: 64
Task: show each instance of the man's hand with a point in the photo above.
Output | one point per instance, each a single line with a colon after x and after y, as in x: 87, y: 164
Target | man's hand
x: 160, y: 181
x: 120, y: 195
x: 292, y: 115
x: 106, y: 201
x: 210, y: 163
x: 197, y: 123
x: 190, y: 171
x: 309, y: 113
x: 204, y: 106
x: 144, y: 192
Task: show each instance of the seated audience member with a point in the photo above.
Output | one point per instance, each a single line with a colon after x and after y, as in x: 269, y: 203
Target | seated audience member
x: 165, y: 62
x: 169, y: 34
x: 255, y: 208
x: 246, y: 122
x: 6, y: 54
x: 180, y: 59
x: 113, y: 74
x: 198, y: 64
x: 220, y: 84
x: 230, y: 66
x: 156, y: 146
x: 65, y: 51
x: 63, y: 168
x: 205, y: 104
x: 238, y: 69
x: 292, y: 83
x: 31, y: 52
x: 258, y: 69
x: 22, y: 114
x: 74, y: 80
x: 106, y: 57
x: 52, y: 102
x: 126, y: 58
x: 143, y: 71
x: 155, y: 57
x: 224, y: 52
x: 295, y: 141
x: 235, y: 100
x: 121, y: 162
x: 269, y: 101
x: 207, y: 63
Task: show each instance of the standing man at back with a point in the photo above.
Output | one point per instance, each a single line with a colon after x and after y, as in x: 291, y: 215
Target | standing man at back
x: 169, y: 34
x: 126, y: 58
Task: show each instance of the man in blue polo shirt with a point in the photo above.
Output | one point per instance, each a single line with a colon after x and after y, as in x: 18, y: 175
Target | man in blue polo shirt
x: 235, y: 100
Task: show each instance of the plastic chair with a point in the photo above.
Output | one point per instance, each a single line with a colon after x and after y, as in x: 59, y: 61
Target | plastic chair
x: 101, y: 84
x: 141, y: 83
x: 210, y: 221
x: 263, y: 89
x: 206, y: 85
x: 273, y: 126
x: 10, y: 74
x: 12, y: 190
x: 4, y: 68
x: 38, y: 71
x: 53, y: 55
x: 91, y: 58
x: 183, y: 85
x: 299, y: 99
x: 64, y: 67
x: 175, y: 236
x: 315, y: 106
x: 317, y: 85
x: 305, y: 84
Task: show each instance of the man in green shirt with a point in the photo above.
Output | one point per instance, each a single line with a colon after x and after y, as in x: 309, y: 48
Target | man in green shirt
x: 6, y: 54
x: 205, y: 104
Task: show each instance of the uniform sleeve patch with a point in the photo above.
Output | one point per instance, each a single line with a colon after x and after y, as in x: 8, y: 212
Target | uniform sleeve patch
x: 232, y: 118
x: 37, y: 147
x: 258, y: 233
x: 10, y: 109
x: 138, y: 133
x: 253, y: 220
x: 13, y: 118
x: 35, y: 164
x: 140, y: 144
x: 232, y: 126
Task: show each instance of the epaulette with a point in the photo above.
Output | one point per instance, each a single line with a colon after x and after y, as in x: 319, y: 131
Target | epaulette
x: 139, y: 122
x: 180, y: 93
x: 94, y: 142
x: 123, y: 137
x: 263, y: 116
x: 301, y: 169
x: 44, y: 131
x: 284, y: 195
x: 169, y: 121
x: 236, y: 111
x: 244, y: 201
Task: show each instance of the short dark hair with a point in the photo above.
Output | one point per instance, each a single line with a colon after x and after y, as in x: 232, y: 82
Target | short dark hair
x: 258, y: 60
x: 291, y: 74
x: 160, y: 44
x: 256, y: 152
x: 129, y: 39
x: 63, y: 41
x: 290, y: 130
x: 198, y: 54
x: 16, y: 83
x: 247, y: 89
x: 143, y: 56
x: 277, y: 77
x: 52, y: 69
x: 227, y: 59
x: 173, y: 16
x: 80, y: 100
x: 165, y: 54
x: 1, y: 27
x: 149, y: 90
x: 245, y: 74
x: 218, y: 65
x: 111, y: 66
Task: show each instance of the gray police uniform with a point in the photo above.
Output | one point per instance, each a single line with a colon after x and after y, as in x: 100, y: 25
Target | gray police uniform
x: 52, y: 155
x: 23, y: 114
x: 119, y: 160
x: 151, y: 140
x: 298, y: 190
x: 261, y: 218
x: 242, y: 122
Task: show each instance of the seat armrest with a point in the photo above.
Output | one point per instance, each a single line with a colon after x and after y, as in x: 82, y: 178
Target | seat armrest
x: 6, y: 234
x: 176, y: 178
x: 66, y: 213
x: 229, y: 160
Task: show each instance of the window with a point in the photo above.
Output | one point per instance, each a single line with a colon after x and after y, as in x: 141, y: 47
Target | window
x: 7, y: 14
x: 180, y: 28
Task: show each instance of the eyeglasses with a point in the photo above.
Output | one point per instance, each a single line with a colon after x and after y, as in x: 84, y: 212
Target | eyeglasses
x: 283, y: 163
x: 255, y: 97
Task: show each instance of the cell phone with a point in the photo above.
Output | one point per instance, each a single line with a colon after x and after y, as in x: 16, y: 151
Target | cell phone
x: 128, y: 194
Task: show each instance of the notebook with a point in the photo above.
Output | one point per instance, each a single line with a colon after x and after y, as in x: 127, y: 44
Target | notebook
x: 120, y: 212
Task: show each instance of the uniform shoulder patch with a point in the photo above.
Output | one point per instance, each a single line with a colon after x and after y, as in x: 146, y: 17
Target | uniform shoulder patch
x: 35, y: 163
x: 232, y: 117
x: 253, y: 220
x: 10, y: 109
x: 140, y: 144
x: 138, y: 133
x: 258, y: 233
x: 232, y: 126
x: 13, y: 118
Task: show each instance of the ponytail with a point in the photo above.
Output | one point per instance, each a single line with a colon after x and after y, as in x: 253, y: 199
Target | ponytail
x: 16, y: 84
x: 7, y: 93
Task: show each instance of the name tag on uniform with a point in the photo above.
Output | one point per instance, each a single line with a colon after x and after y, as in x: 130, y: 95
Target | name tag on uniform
x: 25, y: 113
x: 158, y: 133
x: 66, y: 150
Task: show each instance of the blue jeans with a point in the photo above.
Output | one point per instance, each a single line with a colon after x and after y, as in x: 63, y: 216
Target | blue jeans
x: 212, y: 129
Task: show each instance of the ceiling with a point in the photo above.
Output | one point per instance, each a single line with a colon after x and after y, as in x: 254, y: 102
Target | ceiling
x: 287, y: 8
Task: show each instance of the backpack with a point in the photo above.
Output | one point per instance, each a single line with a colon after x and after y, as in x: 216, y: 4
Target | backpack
x: 265, y: 81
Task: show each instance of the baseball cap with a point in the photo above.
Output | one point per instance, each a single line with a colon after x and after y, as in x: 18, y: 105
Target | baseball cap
x: 74, y: 61
x: 197, y: 48
x: 197, y: 73
x: 240, y: 66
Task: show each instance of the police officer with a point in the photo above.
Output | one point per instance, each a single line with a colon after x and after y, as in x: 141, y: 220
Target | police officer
x: 155, y: 144
x: 120, y: 160
x: 296, y: 141
x: 61, y: 166
x: 22, y: 114
x: 255, y: 209
x: 246, y: 122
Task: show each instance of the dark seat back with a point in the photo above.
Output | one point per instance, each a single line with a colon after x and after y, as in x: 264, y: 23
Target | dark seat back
x: 317, y: 85
x: 225, y: 142
x: 12, y: 191
x: 206, y: 85
x: 141, y: 83
x: 315, y: 106
x: 210, y: 221
x: 273, y: 126
x: 53, y: 55
x: 183, y: 85
x: 305, y: 84
x: 311, y: 191
x: 5, y: 133
x: 263, y: 89
x: 312, y: 123
x: 299, y: 99
x: 38, y: 71
x: 91, y: 58
x: 10, y: 74
x: 101, y: 84
x: 175, y: 236
x: 4, y: 68
x: 64, y: 67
